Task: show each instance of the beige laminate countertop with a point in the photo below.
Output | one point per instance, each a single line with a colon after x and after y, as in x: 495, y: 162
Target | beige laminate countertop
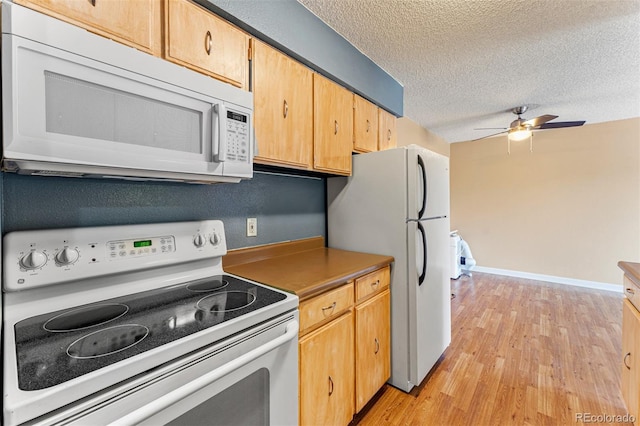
x: 632, y: 270
x: 310, y: 271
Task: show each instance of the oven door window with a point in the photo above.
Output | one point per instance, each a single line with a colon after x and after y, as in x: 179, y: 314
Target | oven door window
x: 244, y: 403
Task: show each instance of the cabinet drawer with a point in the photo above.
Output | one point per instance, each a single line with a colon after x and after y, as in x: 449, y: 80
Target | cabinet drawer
x: 135, y: 23
x: 372, y: 283
x: 196, y: 38
x: 632, y: 291
x: 325, y: 306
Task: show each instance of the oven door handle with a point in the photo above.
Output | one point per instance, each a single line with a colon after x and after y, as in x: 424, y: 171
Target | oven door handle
x: 146, y: 411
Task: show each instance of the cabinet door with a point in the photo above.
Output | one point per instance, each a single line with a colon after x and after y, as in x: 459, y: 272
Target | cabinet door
x: 196, y: 38
x: 373, y: 347
x: 365, y: 125
x: 631, y: 358
x: 135, y: 23
x: 283, y: 108
x: 333, y: 126
x: 387, y: 133
x: 326, y: 374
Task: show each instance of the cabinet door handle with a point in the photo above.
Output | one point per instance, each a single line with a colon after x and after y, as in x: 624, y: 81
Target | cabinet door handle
x: 285, y: 109
x: 631, y: 291
x: 377, y: 346
x: 625, y: 360
x: 335, y: 127
x: 93, y: 3
x: 389, y: 134
x: 207, y: 42
x: 330, y: 307
x: 330, y: 386
x: 368, y: 126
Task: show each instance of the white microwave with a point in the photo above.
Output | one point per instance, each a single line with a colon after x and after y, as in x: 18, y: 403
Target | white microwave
x: 77, y: 104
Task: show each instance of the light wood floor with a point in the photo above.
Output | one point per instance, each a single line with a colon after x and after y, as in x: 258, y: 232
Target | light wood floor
x: 522, y: 352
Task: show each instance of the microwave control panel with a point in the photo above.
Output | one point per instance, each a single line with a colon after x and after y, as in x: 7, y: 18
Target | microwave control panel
x: 237, y: 137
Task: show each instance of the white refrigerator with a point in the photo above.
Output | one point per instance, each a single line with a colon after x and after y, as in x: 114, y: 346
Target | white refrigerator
x: 397, y: 203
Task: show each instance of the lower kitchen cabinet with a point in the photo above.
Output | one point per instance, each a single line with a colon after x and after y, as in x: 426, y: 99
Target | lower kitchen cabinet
x: 373, y: 343
x: 326, y: 374
x: 631, y: 358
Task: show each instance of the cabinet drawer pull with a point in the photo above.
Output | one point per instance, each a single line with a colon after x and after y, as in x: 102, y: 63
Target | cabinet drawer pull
x: 330, y: 386
x: 630, y: 290
x: 335, y: 127
x: 375, y: 284
x: 285, y: 109
x: 207, y: 42
x: 625, y: 360
x: 331, y: 307
x: 93, y: 3
x: 377, y: 346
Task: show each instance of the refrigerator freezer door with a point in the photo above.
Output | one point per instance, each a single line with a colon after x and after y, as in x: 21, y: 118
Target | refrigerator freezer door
x: 429, y: 302
x: 428, y: 184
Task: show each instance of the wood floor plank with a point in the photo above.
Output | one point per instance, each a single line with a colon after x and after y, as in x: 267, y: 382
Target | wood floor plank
x: 522, y: 352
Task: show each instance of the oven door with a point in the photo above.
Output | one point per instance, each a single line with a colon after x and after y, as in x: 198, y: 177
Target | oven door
x: 249, y: 379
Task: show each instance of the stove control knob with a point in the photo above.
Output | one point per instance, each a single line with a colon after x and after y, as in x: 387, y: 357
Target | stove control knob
x: 67, y: 256
x: 33, y: 260
x: 215, y: 239
x: 199, y: 240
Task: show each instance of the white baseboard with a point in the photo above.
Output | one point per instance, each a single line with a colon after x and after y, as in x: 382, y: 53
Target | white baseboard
x: 552, y: 279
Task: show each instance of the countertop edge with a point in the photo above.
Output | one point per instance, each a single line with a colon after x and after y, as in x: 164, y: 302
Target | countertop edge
x: 338, y: 281
x: 631, y: 270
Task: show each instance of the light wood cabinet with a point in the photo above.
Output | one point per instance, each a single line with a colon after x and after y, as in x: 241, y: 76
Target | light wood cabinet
x: 387, y: 133
x: 283, y: 108
x: 373, y: 347
x: 333, y: 126
x: 134, y: 23
x: 326, y: 374
x: 365, y: 359
x: 365, y: 125
x: 631, y: 358
x: 199, y: 40
x: 323, y: 308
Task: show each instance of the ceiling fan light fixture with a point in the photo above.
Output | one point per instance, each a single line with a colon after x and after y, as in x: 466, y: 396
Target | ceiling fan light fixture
x: 519, y: 134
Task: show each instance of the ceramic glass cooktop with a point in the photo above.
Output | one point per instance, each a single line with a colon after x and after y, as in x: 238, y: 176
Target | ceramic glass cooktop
x: 59, y: 346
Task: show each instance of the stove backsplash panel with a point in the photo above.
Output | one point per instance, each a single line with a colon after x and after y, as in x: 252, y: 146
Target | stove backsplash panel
x: 287, y: 207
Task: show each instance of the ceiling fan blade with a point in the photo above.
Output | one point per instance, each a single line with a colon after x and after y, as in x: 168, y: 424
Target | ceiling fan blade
x: 488, y: 136
x: 491, y: 128
x: 561, y: 124
x: 535, y: 122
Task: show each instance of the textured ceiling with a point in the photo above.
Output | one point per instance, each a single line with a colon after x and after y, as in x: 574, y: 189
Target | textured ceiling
x: 465, y: 63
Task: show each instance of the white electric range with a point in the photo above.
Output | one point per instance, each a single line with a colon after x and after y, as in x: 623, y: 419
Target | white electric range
x: 139, y: 324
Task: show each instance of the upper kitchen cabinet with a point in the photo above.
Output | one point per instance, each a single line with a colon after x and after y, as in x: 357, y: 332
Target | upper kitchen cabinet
x: 387, y: 133
x: 283, y: 109
x: 333, y: 127
x: 134, y: 23
x: 365, y: 125
x: 199, y: 40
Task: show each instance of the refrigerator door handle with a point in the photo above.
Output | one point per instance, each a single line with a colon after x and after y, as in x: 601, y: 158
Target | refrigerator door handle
x: 424, y: 253
x: 423, y: 175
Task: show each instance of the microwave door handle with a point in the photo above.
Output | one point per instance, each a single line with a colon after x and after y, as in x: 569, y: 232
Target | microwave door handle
x: 220, y: 136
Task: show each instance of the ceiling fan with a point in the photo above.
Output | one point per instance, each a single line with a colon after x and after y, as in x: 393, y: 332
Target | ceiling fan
x: 521, y: 129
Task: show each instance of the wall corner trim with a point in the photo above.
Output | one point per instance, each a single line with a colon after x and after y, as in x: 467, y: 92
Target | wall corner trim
x: 618, y: 288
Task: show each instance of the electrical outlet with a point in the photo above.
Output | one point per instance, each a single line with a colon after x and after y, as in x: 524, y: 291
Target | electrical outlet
x: 252, y: 227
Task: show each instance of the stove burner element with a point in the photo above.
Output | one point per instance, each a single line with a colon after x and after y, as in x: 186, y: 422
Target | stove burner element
x: 85, y: 317
x: 107, y: 341
x: 226, y: 301
x: 211, y: 284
